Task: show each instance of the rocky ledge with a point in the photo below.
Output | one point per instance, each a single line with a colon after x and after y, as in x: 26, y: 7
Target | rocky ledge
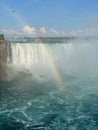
x: 3, y: 57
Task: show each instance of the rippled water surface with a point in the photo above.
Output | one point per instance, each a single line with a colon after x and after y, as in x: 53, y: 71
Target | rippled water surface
x: 53, y: 87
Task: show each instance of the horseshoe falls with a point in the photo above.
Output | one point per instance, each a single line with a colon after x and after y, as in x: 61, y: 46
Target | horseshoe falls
x: 32, y: 73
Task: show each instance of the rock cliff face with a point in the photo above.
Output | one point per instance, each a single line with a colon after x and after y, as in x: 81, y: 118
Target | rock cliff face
x: 3, y: 57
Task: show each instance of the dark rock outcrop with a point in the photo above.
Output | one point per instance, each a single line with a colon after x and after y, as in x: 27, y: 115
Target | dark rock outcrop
x: 3, y: 57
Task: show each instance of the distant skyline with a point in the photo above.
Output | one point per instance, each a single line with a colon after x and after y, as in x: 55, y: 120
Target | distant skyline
x: 49, y: 17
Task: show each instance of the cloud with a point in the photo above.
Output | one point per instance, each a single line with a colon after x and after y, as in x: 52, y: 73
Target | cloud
x: 12, y: 32
x: 73, y: 33
x: 54, y: 32
x: 87, y: 32
x: 29, y: 30
x: 32, y: 31
x: 63, y: 33
x: 84, y: 32
x: 43, y: 30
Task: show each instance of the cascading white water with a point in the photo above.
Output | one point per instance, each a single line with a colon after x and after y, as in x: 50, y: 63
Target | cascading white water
x: 70, y: 54
x: 68, y: 58
x: 28, y: 54
x: 37, y: 58
x: 33, y: 57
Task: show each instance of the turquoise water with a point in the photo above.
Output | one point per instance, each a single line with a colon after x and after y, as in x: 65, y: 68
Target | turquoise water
x: 32, y: 100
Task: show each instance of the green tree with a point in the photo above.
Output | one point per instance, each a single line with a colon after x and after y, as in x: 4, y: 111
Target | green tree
x: 2, y: 37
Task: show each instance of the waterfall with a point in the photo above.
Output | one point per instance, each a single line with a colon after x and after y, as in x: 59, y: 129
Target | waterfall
x: 30, y: 53
x: 68, y: 58
x: 34, y: 58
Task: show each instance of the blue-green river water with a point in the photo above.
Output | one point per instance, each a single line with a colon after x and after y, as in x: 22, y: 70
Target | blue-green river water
x: 32, y: 99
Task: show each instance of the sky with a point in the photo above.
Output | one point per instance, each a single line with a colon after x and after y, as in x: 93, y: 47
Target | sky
x: 49, y: 17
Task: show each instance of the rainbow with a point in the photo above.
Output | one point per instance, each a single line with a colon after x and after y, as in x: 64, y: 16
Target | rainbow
x: 50, y: 58
x: 52, y: 64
